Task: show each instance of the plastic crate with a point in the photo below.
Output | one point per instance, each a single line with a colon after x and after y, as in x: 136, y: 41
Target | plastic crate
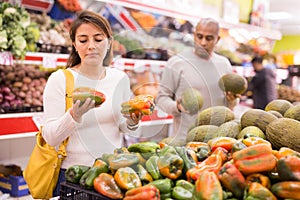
x: 14, y: 185
x: 72, y: 191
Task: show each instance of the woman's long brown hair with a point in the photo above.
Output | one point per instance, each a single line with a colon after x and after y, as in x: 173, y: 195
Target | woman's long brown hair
x: 98, y: 21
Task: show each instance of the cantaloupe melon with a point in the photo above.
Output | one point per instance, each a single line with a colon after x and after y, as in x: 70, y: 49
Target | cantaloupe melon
x: 192, y: 100
x: 234, y: 83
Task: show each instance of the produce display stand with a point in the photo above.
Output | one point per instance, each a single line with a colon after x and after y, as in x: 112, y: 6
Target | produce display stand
x: 72, y: 191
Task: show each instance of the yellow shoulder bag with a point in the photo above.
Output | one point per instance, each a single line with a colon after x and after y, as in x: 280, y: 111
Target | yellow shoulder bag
x: 42, y: 170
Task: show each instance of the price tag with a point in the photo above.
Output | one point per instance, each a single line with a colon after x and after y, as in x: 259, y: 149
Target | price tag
x: 50, y: 62
x: 6, y: 58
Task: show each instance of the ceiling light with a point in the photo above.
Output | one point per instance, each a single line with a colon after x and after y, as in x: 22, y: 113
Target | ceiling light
x: 278, y: 15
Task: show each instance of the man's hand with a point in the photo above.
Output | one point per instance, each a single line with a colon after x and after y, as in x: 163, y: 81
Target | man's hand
x: 231, y: 99
x: 180, y: 108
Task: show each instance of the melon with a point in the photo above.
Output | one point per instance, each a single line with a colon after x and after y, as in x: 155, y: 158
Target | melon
x: 284, y: 132
x: 275, y: 113
x: 229, y: 129
x: 279, y: 105
x: 214, y: 115
x: 201, y: 133
x: 251, y: 131
x: 192, y: 100
x: 233, y: 83
x: 82, y: 93
x: 257, y: 117
x: 293, y: 112
x: 173, y: 141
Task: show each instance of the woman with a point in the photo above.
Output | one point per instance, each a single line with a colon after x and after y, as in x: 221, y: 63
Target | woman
x: 92, y: 131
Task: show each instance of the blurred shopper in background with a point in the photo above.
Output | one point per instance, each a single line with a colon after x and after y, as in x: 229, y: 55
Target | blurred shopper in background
x: 195, y: 67
x: 263, y: 84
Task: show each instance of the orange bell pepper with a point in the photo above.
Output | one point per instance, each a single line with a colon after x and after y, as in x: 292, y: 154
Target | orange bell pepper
x: 285, y: 151
x: 254, y: 159
x: 225, y: 142
x: 232, y: 179
x: 106, y: 185
x: 170, y: 165
x: 212, y: 163
x: 288, y: 168
x: 141, y: 103
x: 147, y: 192
x: 259, y: 178
x: 287, y: 189
x: 195, y: 145
x: 127, y: 178
x: 249, y: 141
x: 257, y: 191
x: 208, y: 187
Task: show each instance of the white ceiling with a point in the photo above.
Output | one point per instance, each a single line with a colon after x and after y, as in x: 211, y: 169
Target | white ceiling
x: 289, y: 26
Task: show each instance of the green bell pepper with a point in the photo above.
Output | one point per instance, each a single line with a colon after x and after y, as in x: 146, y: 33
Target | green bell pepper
x: 167, y: 149
x: 75, y: 172
x: 181, y: 193
x: 152, y: 167
x: 186, y: 155
x: 143, y: 174
x: 186, y: 185
x: 147, y: 149
x: 163, y: 185
x: 202, y: 153
x: 87, y: 179
x: 166, y: 196
x: 123, y: 160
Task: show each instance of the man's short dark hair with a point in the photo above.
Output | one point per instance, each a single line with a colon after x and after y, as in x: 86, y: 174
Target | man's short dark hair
x: 257, y: 59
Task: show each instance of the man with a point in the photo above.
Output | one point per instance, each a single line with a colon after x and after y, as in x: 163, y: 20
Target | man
x: 263, y: 84
x: 198, y: 68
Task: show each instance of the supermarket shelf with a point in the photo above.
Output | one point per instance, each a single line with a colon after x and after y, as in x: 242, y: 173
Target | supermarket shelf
x: 21, y: 125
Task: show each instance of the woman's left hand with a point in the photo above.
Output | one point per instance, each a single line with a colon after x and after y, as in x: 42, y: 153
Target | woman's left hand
x: 133, y: 119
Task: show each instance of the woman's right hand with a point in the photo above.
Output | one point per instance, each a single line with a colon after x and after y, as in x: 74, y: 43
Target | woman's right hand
x: 78, y: 110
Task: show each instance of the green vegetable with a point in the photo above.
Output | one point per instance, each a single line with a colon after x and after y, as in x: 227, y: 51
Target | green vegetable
x: 186, y: 185
x: 87, y: 179
x: 75, y: 172
x: 152, y: 168
x: 163, y: 185
x: 181, y: 193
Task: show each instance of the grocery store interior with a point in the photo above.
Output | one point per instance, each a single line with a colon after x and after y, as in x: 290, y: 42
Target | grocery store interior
x: 34, y: 42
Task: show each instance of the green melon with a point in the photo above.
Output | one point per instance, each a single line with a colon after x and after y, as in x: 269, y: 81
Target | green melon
x: 257, y: 117
x: 284, y: 132
x: 192, y: 100
x: 234, y: 83
x: 201, y: 133
x: 215, y: 115
x: 251, y: 131
x: 229, y: 129
x: 293, y: 112
x: 275, y: 113
x: 173, y: 141
x: 279, y: 105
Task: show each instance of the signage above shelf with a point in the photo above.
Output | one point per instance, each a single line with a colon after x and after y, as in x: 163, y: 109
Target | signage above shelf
x: 189, y: 10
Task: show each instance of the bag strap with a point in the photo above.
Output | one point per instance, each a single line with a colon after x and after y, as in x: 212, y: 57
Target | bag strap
x: 69, y: 88
x: 69, y: 103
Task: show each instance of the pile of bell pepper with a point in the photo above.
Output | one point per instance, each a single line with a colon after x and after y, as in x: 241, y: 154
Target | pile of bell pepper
x: 222, y: 168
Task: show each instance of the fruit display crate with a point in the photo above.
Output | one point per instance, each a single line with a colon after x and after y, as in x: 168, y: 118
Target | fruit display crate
x: 70, y: 191
x: 14, y: 185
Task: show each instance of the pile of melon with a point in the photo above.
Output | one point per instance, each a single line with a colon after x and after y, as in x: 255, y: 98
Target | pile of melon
x: 279, y: 123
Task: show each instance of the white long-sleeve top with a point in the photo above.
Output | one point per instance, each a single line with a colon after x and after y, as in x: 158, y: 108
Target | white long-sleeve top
x: 101, y: 129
